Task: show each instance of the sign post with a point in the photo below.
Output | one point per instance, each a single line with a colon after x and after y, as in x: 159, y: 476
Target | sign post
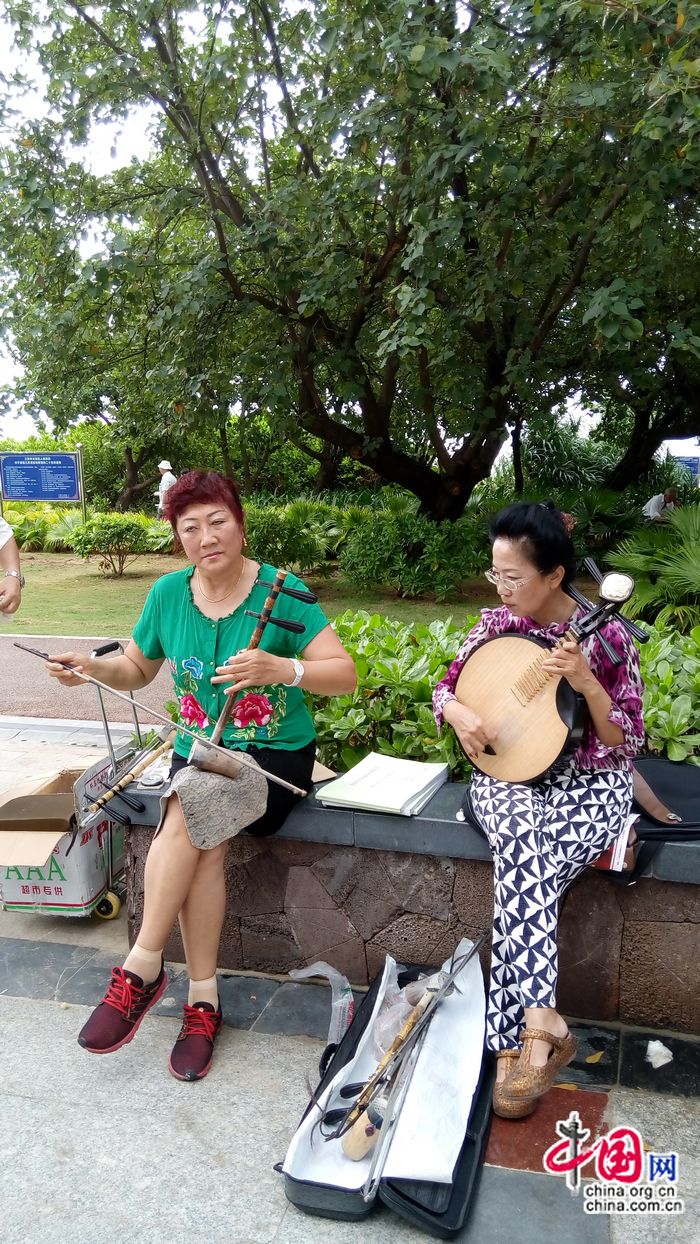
x: 42, y: 477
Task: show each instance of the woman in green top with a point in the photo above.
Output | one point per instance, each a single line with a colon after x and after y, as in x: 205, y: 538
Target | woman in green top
x: 196, y: 620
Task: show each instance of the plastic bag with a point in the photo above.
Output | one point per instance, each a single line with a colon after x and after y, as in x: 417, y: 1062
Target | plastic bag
x: 342, y: 1000
x: 397, y: 1006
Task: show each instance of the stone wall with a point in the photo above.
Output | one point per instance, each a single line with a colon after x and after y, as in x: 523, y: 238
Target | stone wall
x: 627, y: 954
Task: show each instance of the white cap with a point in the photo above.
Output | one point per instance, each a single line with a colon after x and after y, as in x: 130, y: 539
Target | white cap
x: 164, y: 465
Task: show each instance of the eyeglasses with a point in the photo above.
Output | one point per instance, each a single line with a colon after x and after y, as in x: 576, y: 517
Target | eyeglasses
x: 509, y: 585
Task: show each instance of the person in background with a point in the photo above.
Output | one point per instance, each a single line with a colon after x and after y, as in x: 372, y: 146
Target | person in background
x: 658, y: 508
x: 167, y: 479
x: 11, y: 577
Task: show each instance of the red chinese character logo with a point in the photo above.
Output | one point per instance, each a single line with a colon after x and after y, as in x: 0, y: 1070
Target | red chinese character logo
x: 620, y: 1156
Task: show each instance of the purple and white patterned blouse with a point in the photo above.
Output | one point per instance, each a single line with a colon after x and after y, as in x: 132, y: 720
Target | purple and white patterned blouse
x: 623, y: 682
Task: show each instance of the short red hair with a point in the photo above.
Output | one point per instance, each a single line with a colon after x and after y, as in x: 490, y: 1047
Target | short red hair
x: 198, y: 487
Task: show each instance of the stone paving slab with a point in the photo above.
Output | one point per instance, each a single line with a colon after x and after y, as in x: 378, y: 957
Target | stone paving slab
x: 667, y: 1124
x: 108, y: 935
x: 116, y: 1147
x: 113, y: 1147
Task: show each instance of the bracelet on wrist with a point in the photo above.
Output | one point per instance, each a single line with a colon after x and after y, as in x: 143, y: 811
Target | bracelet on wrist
x: 298, y: 673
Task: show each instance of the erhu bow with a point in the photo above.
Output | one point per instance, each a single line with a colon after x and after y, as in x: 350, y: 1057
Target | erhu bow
x: 207, y: 745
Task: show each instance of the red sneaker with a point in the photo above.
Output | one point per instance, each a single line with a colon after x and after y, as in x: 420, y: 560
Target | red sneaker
x: 192, y: 1052
x: 114, y: 1022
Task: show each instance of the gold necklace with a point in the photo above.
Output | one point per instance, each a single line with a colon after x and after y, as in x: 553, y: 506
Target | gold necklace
x: 214, y: 600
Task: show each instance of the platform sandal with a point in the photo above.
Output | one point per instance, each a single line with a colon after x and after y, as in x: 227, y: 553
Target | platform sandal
x: 526, y: 1083
x: 506, y: 1108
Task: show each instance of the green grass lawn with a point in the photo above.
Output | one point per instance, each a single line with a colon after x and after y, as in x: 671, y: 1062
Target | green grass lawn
x: 68, y: 596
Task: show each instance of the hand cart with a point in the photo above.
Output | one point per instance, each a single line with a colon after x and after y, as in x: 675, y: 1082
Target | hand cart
x: 109, y: 825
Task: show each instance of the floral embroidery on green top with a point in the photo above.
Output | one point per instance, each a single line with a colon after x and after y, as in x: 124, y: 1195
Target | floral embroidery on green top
x: 172, y: 626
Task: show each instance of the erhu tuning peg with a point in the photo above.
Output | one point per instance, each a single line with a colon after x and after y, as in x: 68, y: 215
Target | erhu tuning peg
x: 285, y: 623
x: 309, y: 598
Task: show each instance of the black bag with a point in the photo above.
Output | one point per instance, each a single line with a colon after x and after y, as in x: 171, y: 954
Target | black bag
x: 439, y: 1209
x: 677, y: 785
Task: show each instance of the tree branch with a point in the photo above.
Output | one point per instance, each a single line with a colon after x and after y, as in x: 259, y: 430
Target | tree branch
x: 578, y: 270
x: 427, y: 394
x: 282, y: 83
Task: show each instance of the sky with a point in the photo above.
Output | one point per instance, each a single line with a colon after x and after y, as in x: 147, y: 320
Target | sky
x: 111, y: 146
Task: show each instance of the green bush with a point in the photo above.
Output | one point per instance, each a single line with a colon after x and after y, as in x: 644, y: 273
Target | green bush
x: 671, y: 672
x: 391, y: 711
x: 61, y: 531
x: 283, y: 540
x: 117, y: 539
x: 664, y: 559
x: 159, y: 534
x: 398, y: 667
x: 413, y: 555
x: 29, y: 526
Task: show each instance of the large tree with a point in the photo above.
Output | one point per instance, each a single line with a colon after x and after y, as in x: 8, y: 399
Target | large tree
x: 398, y: 229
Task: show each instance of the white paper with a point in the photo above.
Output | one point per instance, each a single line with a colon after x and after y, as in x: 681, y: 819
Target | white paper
x: 382, y: 783
x: 658, y: 1054
x: 431, y: 1128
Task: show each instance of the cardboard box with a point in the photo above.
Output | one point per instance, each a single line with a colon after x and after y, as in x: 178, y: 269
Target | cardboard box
x: 37, y: 874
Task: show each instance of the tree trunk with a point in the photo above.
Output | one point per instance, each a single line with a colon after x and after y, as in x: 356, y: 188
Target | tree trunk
x: 637, y: 460
x: 516, y: 444
x: 329, y: 466
x: 133, y: 488
x: 654, y: 424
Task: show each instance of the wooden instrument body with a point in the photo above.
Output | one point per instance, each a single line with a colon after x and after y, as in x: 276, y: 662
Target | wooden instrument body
x: 531, y: 731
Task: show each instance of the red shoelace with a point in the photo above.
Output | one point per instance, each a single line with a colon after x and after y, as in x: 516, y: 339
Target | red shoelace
x: 199, y: 1023
x: 123, y: 994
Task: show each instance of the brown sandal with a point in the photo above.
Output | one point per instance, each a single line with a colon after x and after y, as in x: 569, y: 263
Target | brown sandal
x: 503, y: 1107
x: 526, y: 1083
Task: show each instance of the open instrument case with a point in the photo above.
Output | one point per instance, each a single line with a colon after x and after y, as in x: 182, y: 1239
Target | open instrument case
x: 440, y: 1209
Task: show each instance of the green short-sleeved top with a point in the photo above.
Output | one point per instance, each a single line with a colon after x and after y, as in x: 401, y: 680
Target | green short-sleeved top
x: 172, y: 626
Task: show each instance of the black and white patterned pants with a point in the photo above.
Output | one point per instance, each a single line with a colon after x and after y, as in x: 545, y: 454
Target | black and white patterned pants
x: 542, y: 836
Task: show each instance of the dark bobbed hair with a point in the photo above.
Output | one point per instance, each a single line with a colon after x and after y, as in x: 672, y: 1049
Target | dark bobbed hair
x: 198, y: 488
x: 539, y: 527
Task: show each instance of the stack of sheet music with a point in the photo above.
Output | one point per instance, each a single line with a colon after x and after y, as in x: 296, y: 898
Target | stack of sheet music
x: 382, y: 783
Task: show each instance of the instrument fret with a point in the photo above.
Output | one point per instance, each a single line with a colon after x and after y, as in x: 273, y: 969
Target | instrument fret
x: 530, y: 683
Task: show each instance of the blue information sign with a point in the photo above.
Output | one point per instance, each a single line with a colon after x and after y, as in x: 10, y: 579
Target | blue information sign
x: 40, y: 477
x: 691, y: 464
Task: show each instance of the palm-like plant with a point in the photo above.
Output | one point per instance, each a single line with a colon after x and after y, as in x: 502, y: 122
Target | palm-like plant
x: 159, y: 535
x: 62, y: 528
x: 664, y: 559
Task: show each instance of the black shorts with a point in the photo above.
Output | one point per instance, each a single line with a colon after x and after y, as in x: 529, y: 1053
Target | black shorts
x: 294, y: 766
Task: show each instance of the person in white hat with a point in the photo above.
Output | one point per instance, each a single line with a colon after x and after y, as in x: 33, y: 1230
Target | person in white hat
x: 167, y: 479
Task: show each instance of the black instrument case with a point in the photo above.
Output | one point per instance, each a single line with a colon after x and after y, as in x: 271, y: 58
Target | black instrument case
x: 436, y: 1208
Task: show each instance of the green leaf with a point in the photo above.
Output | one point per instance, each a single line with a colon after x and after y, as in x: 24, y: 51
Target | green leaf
x: 676, y: 751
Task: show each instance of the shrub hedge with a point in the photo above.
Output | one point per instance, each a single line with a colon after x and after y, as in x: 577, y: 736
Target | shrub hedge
x: 398, y: 667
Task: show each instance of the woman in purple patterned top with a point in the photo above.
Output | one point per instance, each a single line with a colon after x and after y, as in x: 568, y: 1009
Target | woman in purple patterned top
x: 543, y: 834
